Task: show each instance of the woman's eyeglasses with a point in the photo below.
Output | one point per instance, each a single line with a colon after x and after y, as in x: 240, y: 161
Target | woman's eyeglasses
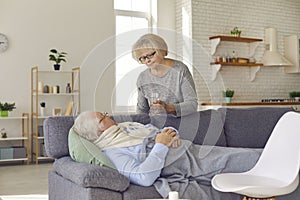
x: 142, y: 59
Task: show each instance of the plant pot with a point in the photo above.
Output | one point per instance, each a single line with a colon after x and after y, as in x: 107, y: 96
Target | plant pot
x: 228, y: 99
x: 3, y: 113
x: 56, y: 67
x: 42, y: 111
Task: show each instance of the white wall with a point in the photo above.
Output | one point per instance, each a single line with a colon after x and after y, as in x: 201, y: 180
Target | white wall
x: 167, y: 21
x: 35, y: 26
x: 214, y: 17
x: 77, y: 27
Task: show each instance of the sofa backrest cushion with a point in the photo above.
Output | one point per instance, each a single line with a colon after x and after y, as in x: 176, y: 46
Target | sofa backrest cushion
x: 250, y: 127
x: 202, y: 127
x: 141, y: 118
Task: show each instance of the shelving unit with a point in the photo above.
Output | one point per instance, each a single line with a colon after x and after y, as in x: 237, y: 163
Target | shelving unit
x: 54, y: 101
x: 12, y: 143
x: 253, y: 43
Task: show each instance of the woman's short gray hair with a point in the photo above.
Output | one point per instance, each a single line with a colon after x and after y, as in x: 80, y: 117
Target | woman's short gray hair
x: 86, y: 125
x: 150, y: 41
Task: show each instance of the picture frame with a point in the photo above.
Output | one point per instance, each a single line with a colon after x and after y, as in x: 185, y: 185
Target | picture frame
x: 56, y: 112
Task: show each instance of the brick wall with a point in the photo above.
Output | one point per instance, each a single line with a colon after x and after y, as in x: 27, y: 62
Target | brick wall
x: 205, y: 18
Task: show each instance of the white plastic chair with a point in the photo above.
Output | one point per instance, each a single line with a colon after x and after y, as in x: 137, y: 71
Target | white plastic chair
x: 276, y: 171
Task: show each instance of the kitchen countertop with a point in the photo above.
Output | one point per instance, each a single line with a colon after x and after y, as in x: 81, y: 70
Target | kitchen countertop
x: 215, y: 105
x: 250, y: 103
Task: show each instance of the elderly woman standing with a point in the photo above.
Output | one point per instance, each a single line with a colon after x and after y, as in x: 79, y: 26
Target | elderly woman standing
x: 167, y: 85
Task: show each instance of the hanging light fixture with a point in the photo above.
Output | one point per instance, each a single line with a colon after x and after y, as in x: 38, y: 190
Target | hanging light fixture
x: 271, y: 56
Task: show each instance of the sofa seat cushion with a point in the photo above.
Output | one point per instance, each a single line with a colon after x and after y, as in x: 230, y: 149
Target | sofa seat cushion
x: 88, y: 175
x: 250, y: 127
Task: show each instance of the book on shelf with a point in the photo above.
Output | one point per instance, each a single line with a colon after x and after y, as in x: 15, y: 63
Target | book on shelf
x: 69, y: 108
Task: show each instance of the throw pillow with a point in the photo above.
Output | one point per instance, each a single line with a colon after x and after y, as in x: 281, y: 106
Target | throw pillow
x: 82, y: 150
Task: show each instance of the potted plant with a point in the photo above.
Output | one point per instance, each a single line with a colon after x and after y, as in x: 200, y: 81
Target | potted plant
x: 236, y: 32
x: 57, y: 57
x: 3, y: 133
x: 228, y: 94
x: 295, y: 95
x: 5, y: 108
x: 43, y: 107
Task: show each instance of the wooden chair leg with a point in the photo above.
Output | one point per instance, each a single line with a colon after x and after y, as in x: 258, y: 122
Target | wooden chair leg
x: 250, y: 198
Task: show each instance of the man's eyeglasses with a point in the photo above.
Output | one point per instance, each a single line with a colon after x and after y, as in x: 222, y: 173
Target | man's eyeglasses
x: 102, y: 116
x: 142, y: 59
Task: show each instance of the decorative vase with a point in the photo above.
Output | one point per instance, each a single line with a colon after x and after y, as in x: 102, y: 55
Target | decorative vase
x: 46, y: 89
x: 42, y: 111
x: 3, y: 113
x: 56, y: 67
x: 297, y: 98
x: 228, y: 99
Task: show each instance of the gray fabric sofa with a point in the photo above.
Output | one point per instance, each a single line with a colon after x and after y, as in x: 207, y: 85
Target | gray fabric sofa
x: 248, y: 127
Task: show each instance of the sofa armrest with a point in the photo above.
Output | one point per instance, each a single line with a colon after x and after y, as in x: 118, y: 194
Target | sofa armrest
x: 88, y: 175
x: 56, y: 131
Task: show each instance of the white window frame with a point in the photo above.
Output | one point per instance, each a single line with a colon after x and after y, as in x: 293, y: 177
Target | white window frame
x: 138, y: 14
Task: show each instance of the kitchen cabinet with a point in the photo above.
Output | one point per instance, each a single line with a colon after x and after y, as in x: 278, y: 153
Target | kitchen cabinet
x: 16, y: 146
x: 292, y: 52
x: 253, y: 43
x: 60, y: 92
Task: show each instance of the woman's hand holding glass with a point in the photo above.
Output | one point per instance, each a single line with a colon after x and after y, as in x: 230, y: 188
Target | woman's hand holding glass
x: 159, y: 107
x: 155, y: 107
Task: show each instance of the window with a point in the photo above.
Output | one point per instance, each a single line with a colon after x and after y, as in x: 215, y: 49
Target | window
x: 133, y: 19
x: 133, y: 5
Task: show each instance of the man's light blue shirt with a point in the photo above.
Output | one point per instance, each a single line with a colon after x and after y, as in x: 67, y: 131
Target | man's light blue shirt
x: 141, y: 164
x: 134, y: 163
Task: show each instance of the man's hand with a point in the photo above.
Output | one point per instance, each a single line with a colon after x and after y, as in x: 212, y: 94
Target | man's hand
x: 168, y: 137
x: 176, y: 142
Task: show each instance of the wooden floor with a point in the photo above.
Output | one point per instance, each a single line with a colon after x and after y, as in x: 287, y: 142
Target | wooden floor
x: 24, y: 179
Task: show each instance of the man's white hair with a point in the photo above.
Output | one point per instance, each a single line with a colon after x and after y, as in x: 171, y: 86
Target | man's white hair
x: 87, y: 125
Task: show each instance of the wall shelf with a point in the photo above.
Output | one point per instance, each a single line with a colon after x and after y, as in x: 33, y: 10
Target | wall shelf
x: 238, y: 64
x: 253, y: 43
x: 13, y: 138
x: 235, y: 39
x: 253, y: 67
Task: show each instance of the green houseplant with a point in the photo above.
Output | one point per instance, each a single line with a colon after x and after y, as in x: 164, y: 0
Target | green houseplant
x: 228, y: 94
x: 236, y: 32
x: 3, y: 133
x: 43, y: 104
x: 5, y: 108
x: 57, y: 57
x: 295, y: 95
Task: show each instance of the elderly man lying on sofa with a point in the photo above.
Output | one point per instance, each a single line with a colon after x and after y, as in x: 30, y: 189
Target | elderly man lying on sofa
x: 147, y: 155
